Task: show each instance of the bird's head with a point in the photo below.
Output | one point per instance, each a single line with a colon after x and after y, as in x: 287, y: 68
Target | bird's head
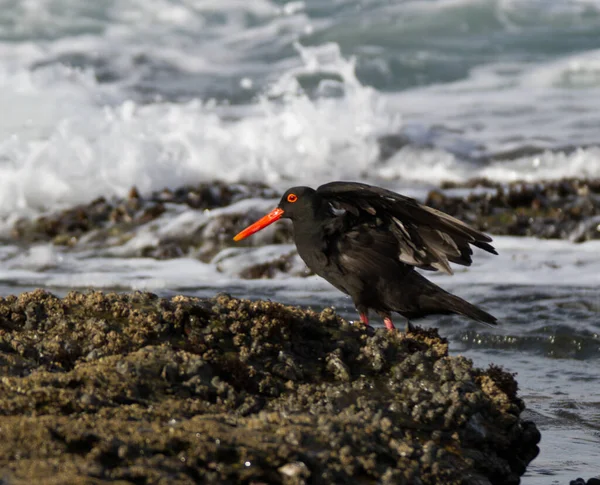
x: 295, y: 203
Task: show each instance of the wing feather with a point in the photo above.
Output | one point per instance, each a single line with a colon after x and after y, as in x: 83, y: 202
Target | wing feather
x: 426, y: 238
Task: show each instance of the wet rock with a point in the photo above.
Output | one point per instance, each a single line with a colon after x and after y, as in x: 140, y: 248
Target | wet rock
x: 562, y: 209
x: 114, y: 217
x: 269, y: 269
x: 581, y: 481
x: 136, y: 388
x: 295, y: 473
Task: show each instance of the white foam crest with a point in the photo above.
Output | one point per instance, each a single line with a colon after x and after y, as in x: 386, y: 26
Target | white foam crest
x: 330, y: 137
x: 178, y: 223
x: 580, y: 72
x: 583, y: 162
x: 504, y: 106
x: 35, y: 101
x: 530, y: 261
x: 436, y: 166
x: 84, y: 148
x: 128, y: 32
x: 418, y: 165
x: 41, y: 257
x: 233, y: 261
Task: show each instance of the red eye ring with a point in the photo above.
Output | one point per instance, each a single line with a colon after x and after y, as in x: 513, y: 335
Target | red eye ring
x: 292, y: 198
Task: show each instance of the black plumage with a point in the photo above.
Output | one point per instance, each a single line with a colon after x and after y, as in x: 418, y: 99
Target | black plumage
x: 367, y: 241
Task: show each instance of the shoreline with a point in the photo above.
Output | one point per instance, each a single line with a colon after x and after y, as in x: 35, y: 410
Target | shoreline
x: 200, y: 221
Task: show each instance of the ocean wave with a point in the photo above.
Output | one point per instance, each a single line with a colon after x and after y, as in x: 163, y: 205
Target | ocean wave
x: 105, y: 97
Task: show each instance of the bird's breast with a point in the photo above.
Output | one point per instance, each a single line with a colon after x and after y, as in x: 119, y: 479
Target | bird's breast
x: 312, y: 252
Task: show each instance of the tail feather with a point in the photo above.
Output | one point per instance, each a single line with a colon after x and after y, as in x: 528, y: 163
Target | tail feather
x: 457, y: 305
x: 418, y: 297
x: 444, y: 302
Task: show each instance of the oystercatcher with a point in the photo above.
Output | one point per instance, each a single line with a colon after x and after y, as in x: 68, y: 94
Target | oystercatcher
x: 367, y: 241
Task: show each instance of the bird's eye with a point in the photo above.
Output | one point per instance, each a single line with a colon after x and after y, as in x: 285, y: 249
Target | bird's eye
x: 292, y: 198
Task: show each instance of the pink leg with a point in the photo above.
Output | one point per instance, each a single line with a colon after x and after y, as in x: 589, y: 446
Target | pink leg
x: 364, y: 318
x: 388, y: 323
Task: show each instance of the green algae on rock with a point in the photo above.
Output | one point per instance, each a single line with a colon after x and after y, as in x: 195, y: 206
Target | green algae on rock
x: 132, y: 388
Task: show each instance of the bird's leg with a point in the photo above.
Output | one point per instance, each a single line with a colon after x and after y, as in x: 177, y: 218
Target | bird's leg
x: 364, y: 317
x: 363, y: 312
x: 387, y: 320
x: 409, y: 327
x: 388, y: 323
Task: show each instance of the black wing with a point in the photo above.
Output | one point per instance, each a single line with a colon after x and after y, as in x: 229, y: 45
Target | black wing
x: 427, y: 238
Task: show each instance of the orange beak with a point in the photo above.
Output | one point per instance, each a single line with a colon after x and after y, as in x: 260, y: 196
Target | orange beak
x: 270, y: 218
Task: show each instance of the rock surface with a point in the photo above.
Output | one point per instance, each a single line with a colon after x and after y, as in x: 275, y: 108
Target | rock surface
x: 581, y: 481
x: 132, y: 388
x: 563, y: 209
x: 113, y: 222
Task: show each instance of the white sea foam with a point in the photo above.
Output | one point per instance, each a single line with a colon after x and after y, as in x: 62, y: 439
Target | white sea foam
x: 521, y: 261
x: 507, y: 105
x: 71, y: 155
x: 99, y: 149
x: 546, y: 166
x: 530, y: 261
x: 66, y: 138
x: 435, y: 166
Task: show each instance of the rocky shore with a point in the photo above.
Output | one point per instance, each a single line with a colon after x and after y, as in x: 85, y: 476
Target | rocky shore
x: 113, y: 222
x: 563, y: 209
x: 199, y: 221
x: 133, y: 388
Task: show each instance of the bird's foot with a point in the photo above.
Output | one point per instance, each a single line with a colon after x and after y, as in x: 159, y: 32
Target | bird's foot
x: 364, y: 319
x: 388, y: 323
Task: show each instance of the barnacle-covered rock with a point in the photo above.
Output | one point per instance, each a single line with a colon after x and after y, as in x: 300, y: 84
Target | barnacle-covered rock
x: 561, y: 209
x: 135, y: 388
x: 108, y: 222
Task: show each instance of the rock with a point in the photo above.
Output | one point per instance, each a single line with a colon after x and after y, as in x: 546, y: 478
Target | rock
x: 581, y: 481
x: 561, y: 209
x: 110, y: 218
x: 198, y: 221
x: 135, y: 388
x: 295, y: 472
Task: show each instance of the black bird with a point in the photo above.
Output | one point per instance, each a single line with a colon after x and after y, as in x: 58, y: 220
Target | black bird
x: 367, y: 241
